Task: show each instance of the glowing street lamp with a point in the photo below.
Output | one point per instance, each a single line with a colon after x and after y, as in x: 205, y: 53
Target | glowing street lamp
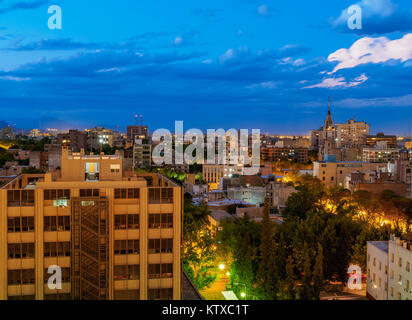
x: 221, y: 266
x: 242, y: 294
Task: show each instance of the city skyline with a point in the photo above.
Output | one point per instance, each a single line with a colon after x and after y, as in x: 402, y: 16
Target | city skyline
x: 241, y: 64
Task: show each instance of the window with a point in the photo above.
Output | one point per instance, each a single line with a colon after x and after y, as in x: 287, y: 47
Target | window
x: 160, y: 294
x: 23, y: 276
x: 54, y: 223
x: 391, y: 291
x: 57, y: 194
x: 65, y: 275
x: 380, y: 266
x: 20, y: 224
x: 126, y: 247
x: 407, y: 285
x: 392, y: 258
x: 20, y: 198
x: 374, y: 262
x: 126, y: 221
x: 127, y: 193
x: 408, y: 266
x: 57, y: 249
x: 161, y: 195
x: 400, y: 262
x: 128, y: 272
x: 89, y: 192
x: 160, y: 246
x: 391, y: 274
x: 160, y: 220
x: 160, y: 270
x: 21, y: 250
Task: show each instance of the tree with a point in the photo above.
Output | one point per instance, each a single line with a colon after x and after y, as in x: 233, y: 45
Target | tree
x: 290, y: 293
x: 318, y: 273
x: 306, y: 288
x: 199, y: 247
x: 267, y: 274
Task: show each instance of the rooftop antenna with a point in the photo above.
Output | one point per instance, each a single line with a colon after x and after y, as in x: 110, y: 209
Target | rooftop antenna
x: 141, y: 120
x: 135, y: 119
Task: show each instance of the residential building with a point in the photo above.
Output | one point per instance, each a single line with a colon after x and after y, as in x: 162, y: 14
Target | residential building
x: 142, y: 154
x: 74, y: 139
x: 389, y: 269
x: 373, y: 139
x: 380, y: 153
x: 352, y: 133
x: 335, y: 173
x: 273, y: 154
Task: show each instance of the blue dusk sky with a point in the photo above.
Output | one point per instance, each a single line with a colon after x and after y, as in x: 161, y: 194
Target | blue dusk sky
x: 264, y: 64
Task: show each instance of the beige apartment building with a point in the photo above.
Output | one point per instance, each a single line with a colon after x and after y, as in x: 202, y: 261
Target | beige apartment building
x: 114, y: 235
x: 335, y: 173
x: 352, y: 133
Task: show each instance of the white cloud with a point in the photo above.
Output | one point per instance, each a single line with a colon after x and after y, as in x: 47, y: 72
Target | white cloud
x: 263, y: 10
x: 178, y: 40
x: 17, y: 79
x: 339, y: 82
x: 402, y: 101
x: 373, y: 50
x: 207, y: 61
x: 228, y: 55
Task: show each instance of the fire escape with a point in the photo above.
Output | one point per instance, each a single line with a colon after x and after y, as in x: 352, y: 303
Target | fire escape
x: 89, y: 249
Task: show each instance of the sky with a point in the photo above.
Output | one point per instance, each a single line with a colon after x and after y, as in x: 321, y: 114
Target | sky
x: 264, y: 64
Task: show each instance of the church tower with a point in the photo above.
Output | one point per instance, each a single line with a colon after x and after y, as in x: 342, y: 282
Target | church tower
x: 328, y: 124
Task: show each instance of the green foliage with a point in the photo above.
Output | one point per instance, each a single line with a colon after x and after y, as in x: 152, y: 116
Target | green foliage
x: 267, y: 278
x: 199, y: 248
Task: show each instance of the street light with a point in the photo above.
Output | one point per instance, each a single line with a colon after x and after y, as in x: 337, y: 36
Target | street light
x: 221, y: 266
x: 242, y: 294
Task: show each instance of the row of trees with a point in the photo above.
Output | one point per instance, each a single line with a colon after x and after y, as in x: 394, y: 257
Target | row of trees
x: 312, y: 248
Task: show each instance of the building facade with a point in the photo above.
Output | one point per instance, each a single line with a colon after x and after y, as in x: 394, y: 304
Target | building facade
x: 113, y: 236
x: 389, y: 269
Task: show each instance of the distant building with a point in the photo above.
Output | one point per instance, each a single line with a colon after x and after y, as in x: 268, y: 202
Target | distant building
x: 380, y: 153
x: 273, y: 154
x: 391, y: 141
x: 335, y: 173
x: 98, y: 137
x: 404, y: 174
x: 142, y: 154
x: 7, y: 134
x: 139, y: 132
x: 352, y: 133
x: 74, y: 139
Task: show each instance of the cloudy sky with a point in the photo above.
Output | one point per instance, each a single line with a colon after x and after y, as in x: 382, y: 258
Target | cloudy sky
x: 264, y: 64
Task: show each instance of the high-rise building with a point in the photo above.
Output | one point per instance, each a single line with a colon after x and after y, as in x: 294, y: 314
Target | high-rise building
x: 142, y: 154
x: 134, y: 132
x: 113, y: 235
x: 352, y: 133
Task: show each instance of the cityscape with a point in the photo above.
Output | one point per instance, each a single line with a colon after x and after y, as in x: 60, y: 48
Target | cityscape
x: 302, y: 191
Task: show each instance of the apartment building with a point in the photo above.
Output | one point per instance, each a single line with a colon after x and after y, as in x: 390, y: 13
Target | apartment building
x: 142, y: 154
x: 380, y: 153
x: 114, y: 235
x: 389, y: 269
x: 335, y: 173
x: 352, y: 133
x: 212, y: 173
x: 372, y: 140
x: 273, y: 153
